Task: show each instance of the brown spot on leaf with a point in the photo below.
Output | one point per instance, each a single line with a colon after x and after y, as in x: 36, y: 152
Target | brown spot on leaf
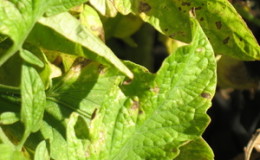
x: 172, y: 35
x: 185, y: 4
x: 166, y: 29
x: 140, y: 112
x: 218, y: 25
x: 198, y: 8
x: 179, y: 9
x: 201, y: 19
x: 127, y: 82
x: 144, y: 7
x: 225, y: 41
x: 93, y: 115
x: 135, y: 105
x: 80, y: 63
x: 205, y: 95
x: 155, y: 89
x: 101, y: 69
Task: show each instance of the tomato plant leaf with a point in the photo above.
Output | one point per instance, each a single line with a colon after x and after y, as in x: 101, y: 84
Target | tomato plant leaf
x: 41, y: 152
x: 58, y: 6
x: 19, y: 18
x: 196, y: 149
x: 9, y: 153
x: 8, y: 118
x: 33, y: 98
x: 105, y: 7
x: 29, y: 57
x: 152, y: 116
x: 76, y: 146
x: 90, y: 18
x: 226, y: 30
x: 68, y: 26
x: 161, y: 15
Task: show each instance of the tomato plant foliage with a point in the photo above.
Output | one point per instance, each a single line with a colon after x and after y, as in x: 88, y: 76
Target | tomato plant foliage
x: 65, y: 95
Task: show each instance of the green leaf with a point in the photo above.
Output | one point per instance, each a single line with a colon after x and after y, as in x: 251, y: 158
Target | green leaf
x: 53, y: 130
x: 228, y: 33
x: 41, y: 152
x: 19, y: 18
x: 68, y: 26
x: 122, y: 26
x: 105, y: 7
x: 33, y: 98
x: 29, y: 57
x: 58, y: 6
x: 152, y: 116
x: 81, y: 93
x: 226, y: 30
x: 76, y: 147
x: 8, y: 118
x: 9, y: 153
x: 194, y: 150
x: 161, y: 15
x: 90, y: 18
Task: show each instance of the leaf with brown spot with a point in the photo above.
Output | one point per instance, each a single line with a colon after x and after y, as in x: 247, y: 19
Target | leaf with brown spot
x: 144, y: 7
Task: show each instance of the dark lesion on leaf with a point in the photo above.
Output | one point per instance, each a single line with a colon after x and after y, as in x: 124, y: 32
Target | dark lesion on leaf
x: 218, y: 25
x: 127, y: 82
x: 144, y: 7
x: 205, y: 95
x: 185, y: 4
x: 201, y: 19
x: 225, y: 41
x: 135, y: 105
x: 101, y: 69
x: 198, y: 8
x: 80, y: 63
x: 93, y: 115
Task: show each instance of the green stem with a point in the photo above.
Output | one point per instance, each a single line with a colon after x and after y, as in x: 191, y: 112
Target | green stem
x: 23, y: 140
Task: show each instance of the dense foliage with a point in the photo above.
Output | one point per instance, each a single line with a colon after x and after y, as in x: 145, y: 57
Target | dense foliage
x: 65, y: 95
